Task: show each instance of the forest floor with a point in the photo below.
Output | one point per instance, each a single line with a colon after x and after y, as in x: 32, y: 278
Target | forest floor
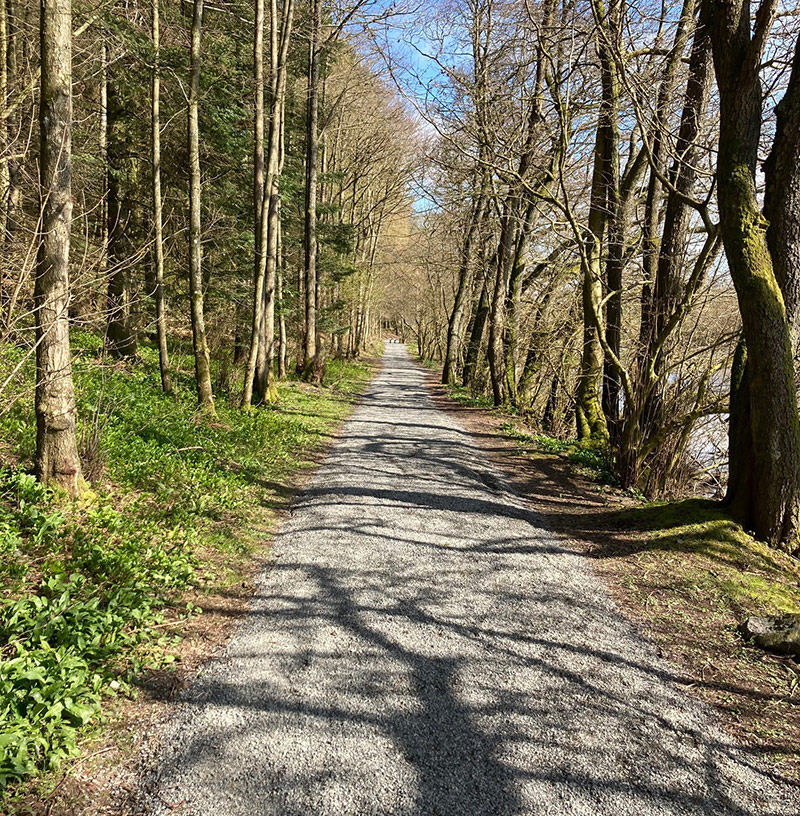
x: 682, y: 571
x: 180, y: 517
x: 421, y: 638
x: 424, y: 643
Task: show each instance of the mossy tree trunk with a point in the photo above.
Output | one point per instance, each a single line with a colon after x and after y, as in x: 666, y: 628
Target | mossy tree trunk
x: 764, y: 499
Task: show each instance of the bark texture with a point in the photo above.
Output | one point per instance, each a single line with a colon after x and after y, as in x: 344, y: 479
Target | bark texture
x: 158, y: 220
x: 765, y: 500
x: 202, y: 357
x: 57, y: 459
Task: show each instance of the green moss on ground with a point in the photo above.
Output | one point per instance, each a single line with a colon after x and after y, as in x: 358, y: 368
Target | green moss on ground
x: 92, y: 592
x: 719, y: 564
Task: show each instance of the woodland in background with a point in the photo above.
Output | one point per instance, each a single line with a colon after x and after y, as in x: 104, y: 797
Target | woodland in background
x: 613, y: 244
x: 229, y: 176
x: 609, y: 242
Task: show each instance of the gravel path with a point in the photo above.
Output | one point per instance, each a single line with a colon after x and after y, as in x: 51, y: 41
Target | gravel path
x: 423, y: 645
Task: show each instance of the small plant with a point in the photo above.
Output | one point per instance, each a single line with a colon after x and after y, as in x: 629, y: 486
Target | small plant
x: 91, y: 591
x: 466, y: 397
x: 87, y: 587
x: 593, y: 460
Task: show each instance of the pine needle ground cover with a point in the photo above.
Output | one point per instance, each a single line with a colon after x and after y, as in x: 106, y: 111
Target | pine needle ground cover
x: 93, y: 593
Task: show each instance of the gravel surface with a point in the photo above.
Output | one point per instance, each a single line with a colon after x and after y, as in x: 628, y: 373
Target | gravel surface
x: 422, y: 645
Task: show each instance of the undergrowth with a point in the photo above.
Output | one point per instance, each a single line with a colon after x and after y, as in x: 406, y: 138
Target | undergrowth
x: 91, y: 589
x: 591, y: 459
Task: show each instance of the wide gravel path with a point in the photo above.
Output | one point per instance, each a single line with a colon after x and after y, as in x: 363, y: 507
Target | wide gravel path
x: 422, y: 645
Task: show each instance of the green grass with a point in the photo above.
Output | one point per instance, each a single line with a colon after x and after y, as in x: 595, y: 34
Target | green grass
x: 591, y: 459
x: 725, y: 565
x: 91, y: 590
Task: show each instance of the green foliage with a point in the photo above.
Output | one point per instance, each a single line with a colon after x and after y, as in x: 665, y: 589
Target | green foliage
x: 592, y: 457
x: 85, y: 585
x: 466, y: 397
x: 91, y: 589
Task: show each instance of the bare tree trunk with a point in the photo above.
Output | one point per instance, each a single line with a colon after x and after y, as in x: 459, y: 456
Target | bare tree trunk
x: 452, y: 353
x: 310, y: 231
x: 5, y: 182
x: 268, y: 223
x: 476, y: 335
x: 102, y: 145
x: 158, y: 221
x: 202, y: 358
x: 590, y: 419
x: 652, y: 208
x: 120, y: 336
x: 282, y: 337
x: 12, y: 200
x: 256, y: 349
x: 57, y: 459
x: 782, y: 198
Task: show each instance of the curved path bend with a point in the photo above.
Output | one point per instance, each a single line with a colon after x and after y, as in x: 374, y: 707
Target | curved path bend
x: 423, y: 645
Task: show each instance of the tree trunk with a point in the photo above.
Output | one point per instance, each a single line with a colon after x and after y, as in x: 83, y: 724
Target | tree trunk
x: 202, y: 358
x: 652, y: 209
x: 766, y: 503
x: 310, y: 367
x: 256, y: 347
x: 158, y: 221
x: 476, y: 335
x: 453, y: 353
x: 503, y: 260
x: 12, y: 201
x: 5, y: 182
x: 57, y: 459
x: 121, y: 220
x: 782, y: 197
x: 590, y: 419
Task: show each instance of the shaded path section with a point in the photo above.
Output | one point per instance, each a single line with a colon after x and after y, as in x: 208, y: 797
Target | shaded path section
x: 423, y: 646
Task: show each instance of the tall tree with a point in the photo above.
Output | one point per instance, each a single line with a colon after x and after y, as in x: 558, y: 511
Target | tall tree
x: 57, y: 459
x: 158, y: 218
x: 764, y: 487
x: 256, y: 332
x: 202, y: 358
x: 121, y: 214
x: 260, y: 361
x: 280, y: 39
x: 311, y: 365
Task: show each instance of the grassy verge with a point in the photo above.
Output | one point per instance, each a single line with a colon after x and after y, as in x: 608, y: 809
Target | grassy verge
x: 588, y: 458
x: 691, y: 576
x: 94, y: 592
